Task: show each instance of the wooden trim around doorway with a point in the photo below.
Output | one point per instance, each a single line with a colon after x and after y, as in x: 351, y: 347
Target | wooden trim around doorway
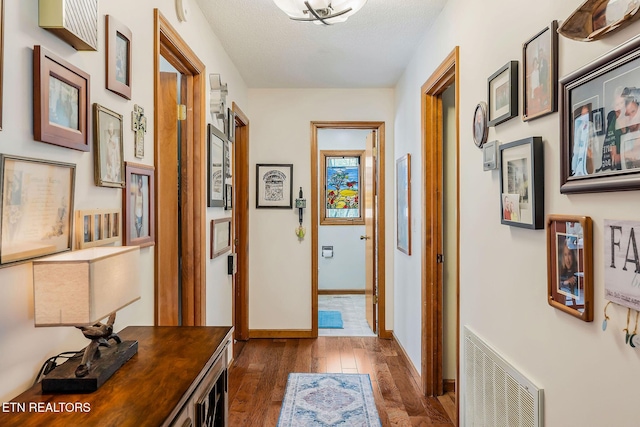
x: 169, y: 44
x: 379, y: 127
x: 446, y: 75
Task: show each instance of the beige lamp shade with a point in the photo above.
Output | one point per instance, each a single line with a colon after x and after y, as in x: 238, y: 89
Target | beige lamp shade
x: 82, y: 287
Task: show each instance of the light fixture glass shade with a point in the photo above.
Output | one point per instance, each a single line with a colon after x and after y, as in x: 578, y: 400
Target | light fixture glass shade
x: 297, y: 9
x: 83, y: 287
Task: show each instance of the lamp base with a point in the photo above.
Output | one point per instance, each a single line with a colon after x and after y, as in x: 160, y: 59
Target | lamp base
x: 63, y: 378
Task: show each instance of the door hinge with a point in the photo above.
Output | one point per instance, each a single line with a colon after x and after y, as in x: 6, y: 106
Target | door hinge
x: 375, y: 299
x: 439, y: 258
x: 182, y: 112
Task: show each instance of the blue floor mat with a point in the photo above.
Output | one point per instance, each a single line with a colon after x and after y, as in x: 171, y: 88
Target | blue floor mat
x: 329, y: 320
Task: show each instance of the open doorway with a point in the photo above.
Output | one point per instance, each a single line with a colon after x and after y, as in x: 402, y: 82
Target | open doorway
x: 441, y: 233
x: 347, y: 208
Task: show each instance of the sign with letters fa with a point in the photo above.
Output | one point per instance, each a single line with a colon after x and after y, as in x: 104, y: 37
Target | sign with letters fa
x: 622, y: 262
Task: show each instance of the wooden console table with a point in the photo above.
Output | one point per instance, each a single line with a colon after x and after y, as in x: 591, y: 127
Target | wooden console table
x: 177, y: 378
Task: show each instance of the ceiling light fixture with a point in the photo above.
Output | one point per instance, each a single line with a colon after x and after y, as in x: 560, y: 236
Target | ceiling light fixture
x: 320, y: 12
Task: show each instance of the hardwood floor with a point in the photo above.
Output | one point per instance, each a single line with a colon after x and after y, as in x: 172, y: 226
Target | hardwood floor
x: 258, y: 378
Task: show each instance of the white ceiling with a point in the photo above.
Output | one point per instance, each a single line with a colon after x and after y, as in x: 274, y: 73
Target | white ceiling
x: 370, y: 50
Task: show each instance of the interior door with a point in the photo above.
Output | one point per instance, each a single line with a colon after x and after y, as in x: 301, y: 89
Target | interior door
x: 167, y: 250
x: 370, y: 289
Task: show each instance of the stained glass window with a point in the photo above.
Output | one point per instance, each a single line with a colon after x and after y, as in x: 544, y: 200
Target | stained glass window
x: 342, y: 186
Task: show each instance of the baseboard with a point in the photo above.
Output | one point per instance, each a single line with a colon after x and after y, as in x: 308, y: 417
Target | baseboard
x: 340, y: 291
x: 414, y: 372
x: 449, y: 386
x: 277, y: 333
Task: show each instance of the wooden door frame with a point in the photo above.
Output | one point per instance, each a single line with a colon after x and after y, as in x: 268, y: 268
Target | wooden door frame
x: 171, y: 46
x: 379, y: 127
x: 445, y: 76
x: 241, y: 223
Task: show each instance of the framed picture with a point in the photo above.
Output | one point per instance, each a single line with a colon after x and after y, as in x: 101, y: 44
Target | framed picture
x: 274, y: 189
x: 118, y: 41
x: 609, y: 159
x: 480, y: 127
x: 621, y: 280
x: 403, y: 206
x: 540, y: 62
x: 97, y: 227
x: 228, y: 197
x: 343, y: 196
x: 490, y: 156
x: 108, y: 147
x: 37, y: 208
x: 220, y: 236
x: 60, y: 101
x: 216, y: 166
x: 503, y: 94
x: 138, y: 226
x: 1, y: 56
x: 570, y: 265
x: 522, y: 183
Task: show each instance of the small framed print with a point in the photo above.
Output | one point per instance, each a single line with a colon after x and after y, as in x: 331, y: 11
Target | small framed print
x: 403, y: 204
x: 570, y: 265
x: 216, y: 167
x: 540, y: 62
x: 522, y: 183
x: 274, y: 189
x: 228, y: 197
x: 60, y: 101
x: 97, y: 227
x: 503, y: 94
x: 220, y: 236
x: 118, y: 40
x: 109, y: 151
x: 139, y: 205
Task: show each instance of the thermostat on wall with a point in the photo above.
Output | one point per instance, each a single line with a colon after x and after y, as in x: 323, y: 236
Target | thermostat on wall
x: 490, y: 159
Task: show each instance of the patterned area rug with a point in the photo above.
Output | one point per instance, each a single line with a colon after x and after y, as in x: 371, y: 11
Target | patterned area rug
x: 323, y: 400
x: 330, y: 319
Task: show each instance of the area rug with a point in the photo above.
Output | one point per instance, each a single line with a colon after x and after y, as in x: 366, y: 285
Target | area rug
x: 323, y: 400
x: 329, y: 319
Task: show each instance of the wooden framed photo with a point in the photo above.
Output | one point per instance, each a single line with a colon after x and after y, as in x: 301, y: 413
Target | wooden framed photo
x: 118, y: 39
x: 60, y: 101
x: 274, y: 189
x: 216, y: 167
x: 36, y: 209
x: 220, y: 236
x: 108, y: 147
x: 97, y: 227
x: 503, y: 94
x: 540, y: 62
x: 403, y: 205
x: 522, y: 183
x: 139, y: 205
x: 600, y: 123
x: 570, y: 265
x: 341, y: 173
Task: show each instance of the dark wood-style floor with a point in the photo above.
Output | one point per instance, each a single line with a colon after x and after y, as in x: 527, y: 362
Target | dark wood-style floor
x: 258, y: 378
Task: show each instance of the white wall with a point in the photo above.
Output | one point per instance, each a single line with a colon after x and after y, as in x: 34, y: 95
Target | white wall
x: 346, y: 270
x: 23, y: 347
x: 280, y: 270
x: 589, y: 377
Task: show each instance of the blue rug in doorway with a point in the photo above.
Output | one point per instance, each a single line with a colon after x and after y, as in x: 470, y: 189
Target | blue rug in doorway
x: 329, y: 320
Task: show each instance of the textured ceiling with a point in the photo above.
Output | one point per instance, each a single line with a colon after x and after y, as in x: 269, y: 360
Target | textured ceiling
x: 370, y: 50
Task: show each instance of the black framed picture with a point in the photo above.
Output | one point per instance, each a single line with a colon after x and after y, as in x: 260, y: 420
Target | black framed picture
x: 216, y: 167
x: 600, y: 123
x: 503, y: 94
x: 540, y: 62
x: 522, y: 183
x: 228, y: 197
x: 274, y: 187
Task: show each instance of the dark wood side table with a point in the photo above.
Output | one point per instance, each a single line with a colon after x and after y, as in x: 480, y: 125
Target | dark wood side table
x: 177, y: 378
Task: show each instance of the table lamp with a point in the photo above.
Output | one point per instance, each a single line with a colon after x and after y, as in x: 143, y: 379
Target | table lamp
x: 80, y: 289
